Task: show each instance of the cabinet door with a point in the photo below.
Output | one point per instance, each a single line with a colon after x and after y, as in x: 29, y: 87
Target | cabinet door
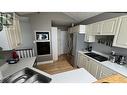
x: 86, y: 64
x: 89, y: 29
x: 12, y: 37
x: 120, y: 39
x: 3, y: 39
x: 80, y: 62
x: 70, y: 30
x: 96, y: 28
x: 81, y: 29
x: 89, y: 38
x: 17, y: 31
x: 109, y: 26
x: 94, y: 68
x: 106, y: 72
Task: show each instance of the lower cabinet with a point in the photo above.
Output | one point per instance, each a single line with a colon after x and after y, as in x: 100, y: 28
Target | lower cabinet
x: 104, y: 72
x: 80, y: 62
x: 93, y: 67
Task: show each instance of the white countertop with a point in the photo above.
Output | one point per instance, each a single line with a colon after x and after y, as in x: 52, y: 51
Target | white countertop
x: 121, y: 69
x: 74, y: 76
x: 8, y: 69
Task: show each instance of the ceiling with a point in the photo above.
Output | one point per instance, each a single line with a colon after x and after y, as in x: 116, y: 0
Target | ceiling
x: 80, y: 16
x: 67, y: 18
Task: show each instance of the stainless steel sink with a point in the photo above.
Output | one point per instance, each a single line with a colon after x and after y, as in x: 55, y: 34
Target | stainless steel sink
x: 27, y: 75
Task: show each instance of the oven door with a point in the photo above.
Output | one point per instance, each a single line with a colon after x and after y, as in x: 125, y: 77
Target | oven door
x: 43, y: 48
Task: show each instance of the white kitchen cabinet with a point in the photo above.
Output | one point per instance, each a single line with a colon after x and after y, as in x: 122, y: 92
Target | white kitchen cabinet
x: 79, y: 28
x: 17, y: 31
x: 104, y: 72
x: 80, y: 62
x: 89, y: 38
x: 4, y: 41
x: 106, y: 27
x: 109, y: 26
x: 86, y: 63
x: 120, y: 39
x: 94, y: 68
x: 70, y: 30
x: 10, y: 37
x: 89, y: 29
x: 96, y: 28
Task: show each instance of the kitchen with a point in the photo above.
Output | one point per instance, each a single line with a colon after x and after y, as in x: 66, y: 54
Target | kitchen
x: 61, y: 46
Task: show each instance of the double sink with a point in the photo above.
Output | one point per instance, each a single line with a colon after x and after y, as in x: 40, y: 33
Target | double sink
x: 27, y: 75
x: 97, y: 56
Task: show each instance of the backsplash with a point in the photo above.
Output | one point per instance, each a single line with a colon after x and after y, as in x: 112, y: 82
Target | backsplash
x: 107, y: 50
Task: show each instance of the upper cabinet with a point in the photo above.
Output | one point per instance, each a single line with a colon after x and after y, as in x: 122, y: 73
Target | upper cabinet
x: 120, y: 39
x: 109, y: 26
x: 70, y: 30
x: 93, y: 29
x: 106, y: 27
x: 78, y: 28
x: 10, y: 36
x: 89, y: 38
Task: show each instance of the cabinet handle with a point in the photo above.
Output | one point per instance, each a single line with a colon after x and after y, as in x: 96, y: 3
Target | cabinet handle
x: 18, y: 43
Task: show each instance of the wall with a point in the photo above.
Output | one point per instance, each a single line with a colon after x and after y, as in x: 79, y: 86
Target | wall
x: 62, y: 42
x: 27, y: 34
x: 43, y: 21
x: 107, y: 50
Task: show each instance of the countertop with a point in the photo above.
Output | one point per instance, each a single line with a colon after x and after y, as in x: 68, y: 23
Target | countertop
x: 121, y: 69
x: 74, y: 76
x: 8, y: 69
x: 113, y: 79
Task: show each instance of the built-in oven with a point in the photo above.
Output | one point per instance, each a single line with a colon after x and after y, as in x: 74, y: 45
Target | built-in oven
x: 43, y: 48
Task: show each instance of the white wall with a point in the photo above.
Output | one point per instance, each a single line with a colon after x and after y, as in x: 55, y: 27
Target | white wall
x: 62, y: 42
x: 27, y: 34
x: 42, y: 21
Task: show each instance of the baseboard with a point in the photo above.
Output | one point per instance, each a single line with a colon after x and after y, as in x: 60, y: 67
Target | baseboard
x: 45, y: 62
